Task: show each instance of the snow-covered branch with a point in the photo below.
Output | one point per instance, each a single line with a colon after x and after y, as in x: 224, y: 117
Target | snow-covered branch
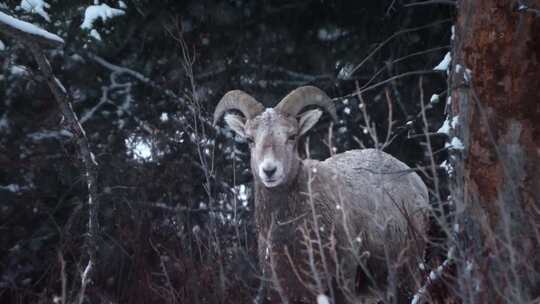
x: 22, y: 30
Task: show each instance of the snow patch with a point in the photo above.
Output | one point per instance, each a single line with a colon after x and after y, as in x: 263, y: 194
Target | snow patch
x: 455, y: 143
x: 469, y: 266
x: 2, y: 46
x: 346, y: 72
x: 455, y: 121
x: 448, y: 125
x: 164, y: 117
x: 36, y: 136
x: 139, y: 148
x: 102, y: 11
x: 14, y: 188
x: 330, y: 33
x: 36, y: 7
x: 11, y: 188
x: 243, y: 193
x: 417, y: 297
x: 434, y: 98
x: 446, y: 166
x: 18, y: 70
x: 28, y: 28
x: 443, y: 65
x: 322, y: 299
x: 467, y: 76
x: 4, y: 122
x: 95, y: 34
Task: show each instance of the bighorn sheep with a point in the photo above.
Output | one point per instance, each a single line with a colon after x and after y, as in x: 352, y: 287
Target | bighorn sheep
x: 353, y: 220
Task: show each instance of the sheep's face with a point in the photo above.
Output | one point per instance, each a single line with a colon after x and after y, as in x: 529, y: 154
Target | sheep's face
x: 272, y: 137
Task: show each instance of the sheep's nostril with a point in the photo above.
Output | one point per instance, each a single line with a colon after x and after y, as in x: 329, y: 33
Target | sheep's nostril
x: 270, y: 171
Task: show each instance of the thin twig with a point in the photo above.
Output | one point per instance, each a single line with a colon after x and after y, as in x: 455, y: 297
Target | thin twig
x: 378, y: 84
x: 392, y: 37
x: 430, y: 2
x: 63, y: 279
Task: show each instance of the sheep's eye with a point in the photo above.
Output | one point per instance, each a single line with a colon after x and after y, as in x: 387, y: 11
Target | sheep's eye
x: 249, y: 140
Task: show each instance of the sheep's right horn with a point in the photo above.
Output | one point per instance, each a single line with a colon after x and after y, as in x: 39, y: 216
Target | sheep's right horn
x: 305, y: 96
x: 238, y: 100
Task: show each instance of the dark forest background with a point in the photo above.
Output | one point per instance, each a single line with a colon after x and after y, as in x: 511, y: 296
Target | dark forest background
x: 175, y: 213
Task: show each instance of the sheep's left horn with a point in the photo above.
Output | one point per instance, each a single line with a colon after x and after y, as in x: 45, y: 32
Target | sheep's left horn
x: 238, y: 100
x: 305, y: 96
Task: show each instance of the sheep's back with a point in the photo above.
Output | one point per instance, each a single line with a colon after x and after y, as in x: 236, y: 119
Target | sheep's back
x: 371, y: 169
x: 380, y: 185
x: 383, y: 203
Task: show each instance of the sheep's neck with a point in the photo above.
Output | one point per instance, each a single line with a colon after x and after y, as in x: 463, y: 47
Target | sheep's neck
x: 277, y: 207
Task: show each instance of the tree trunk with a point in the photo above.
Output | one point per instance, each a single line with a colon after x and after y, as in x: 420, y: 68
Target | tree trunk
x: 496, y: 97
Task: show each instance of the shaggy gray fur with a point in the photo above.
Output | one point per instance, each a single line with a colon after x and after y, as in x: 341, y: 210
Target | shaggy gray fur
x: 375, y: 206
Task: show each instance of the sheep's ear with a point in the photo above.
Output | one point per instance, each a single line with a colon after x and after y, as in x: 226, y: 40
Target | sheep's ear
x: 236, y: 123
x: 308, y: 120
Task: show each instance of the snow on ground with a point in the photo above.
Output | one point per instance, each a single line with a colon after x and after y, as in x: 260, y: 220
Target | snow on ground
x: 36, y: 7
x: 102, y: 11
x: 28, y: 28
x: 2, y: 46
x: 443, y: 65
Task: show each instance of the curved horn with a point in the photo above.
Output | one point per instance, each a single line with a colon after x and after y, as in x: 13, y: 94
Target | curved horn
x: 305, y: 96
x: 238, y: 100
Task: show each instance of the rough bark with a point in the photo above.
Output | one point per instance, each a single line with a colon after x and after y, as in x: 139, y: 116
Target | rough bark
x: 495, y: 92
